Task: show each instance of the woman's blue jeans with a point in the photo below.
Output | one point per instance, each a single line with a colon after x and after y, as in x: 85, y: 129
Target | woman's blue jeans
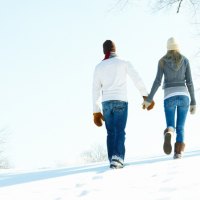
x: 176, y: 109
x: 115, y: 114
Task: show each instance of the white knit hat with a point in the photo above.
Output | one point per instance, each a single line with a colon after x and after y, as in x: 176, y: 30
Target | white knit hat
x: 172, y: 44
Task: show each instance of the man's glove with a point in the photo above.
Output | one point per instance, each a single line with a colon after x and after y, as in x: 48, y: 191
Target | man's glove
x: 98, y: 118
x: 147, y: 104
x: 192, y: 109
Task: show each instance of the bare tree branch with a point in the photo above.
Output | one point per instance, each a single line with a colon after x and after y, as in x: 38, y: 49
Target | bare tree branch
x: 120, y: 3
x: 164, y: 4
x: 179, y: 5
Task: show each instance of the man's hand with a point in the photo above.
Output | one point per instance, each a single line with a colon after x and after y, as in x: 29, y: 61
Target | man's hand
x: 98, y: 118
x: 147, y: 105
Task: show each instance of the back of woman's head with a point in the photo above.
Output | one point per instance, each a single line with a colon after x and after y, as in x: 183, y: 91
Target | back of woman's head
x: 172, y: 44
x: 173, y: 56
x: 173, y: 53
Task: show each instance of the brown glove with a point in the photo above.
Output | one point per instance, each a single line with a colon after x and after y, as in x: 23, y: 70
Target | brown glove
x: 151, y: 105
x: 98, y: 118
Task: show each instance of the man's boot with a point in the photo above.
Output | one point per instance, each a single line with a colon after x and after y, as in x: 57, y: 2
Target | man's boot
x: 167, y: 147
x: 178, y: 149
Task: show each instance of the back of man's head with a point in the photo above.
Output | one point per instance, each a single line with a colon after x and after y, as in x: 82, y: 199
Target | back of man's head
x: 108, y: 46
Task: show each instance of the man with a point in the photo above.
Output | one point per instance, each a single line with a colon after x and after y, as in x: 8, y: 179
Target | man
x: 110, y: 83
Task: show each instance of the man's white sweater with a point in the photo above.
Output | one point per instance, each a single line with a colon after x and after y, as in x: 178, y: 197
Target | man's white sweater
x: 110, y: 81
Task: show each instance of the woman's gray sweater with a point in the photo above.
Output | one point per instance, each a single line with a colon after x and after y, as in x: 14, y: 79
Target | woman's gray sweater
x: 174, y: 76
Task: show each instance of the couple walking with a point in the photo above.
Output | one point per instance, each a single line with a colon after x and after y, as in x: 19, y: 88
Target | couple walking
x: 109, y: 84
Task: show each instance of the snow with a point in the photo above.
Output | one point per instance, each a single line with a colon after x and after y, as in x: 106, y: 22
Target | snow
x: 145, y: 178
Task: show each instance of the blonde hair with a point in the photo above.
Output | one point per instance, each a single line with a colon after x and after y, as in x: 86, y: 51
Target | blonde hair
x: 173, y: 55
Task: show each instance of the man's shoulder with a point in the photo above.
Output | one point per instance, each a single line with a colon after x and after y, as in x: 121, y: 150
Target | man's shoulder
x: 117, y: 60
x: 120, y: 60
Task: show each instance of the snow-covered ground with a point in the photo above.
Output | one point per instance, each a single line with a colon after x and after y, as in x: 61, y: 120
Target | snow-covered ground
x: 144, y: 178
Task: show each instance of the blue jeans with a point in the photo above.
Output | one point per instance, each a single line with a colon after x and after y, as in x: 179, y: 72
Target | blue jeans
x: 115, y: 114
x: 176, y: 106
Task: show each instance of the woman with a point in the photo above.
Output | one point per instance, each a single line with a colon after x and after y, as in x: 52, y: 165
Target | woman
x: 178, y: 87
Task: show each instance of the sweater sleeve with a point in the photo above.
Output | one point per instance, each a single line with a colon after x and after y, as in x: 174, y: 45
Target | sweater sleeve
x: 189, y: 83
x: 135, y: 77
x: 96, y: 89
x: 156, y: 83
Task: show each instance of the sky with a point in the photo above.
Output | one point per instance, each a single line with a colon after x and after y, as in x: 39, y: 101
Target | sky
x: 48, y: 51
x: 144, y: 178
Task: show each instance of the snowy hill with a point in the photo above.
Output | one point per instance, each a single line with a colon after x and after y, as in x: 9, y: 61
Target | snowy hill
x: 147, y: 178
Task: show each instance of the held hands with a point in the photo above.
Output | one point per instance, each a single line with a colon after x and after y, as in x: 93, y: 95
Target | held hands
x: 192, y: 109
x: 147, y: 105
x: 98, y: 118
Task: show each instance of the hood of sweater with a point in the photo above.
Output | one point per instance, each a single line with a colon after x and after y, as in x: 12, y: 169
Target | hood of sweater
x: 171, y: 63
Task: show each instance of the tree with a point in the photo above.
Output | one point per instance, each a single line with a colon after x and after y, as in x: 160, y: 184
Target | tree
x: 165, y: 4
x: 4, y: 162
x: 97, y: 153
x: 179, y: 4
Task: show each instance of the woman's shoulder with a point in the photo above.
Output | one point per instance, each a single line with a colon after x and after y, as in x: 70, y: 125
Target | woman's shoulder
x: 185, y: 59
x: 161, y: 61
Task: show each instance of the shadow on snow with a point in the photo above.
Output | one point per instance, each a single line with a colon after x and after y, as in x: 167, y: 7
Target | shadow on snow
x: 25, y: 177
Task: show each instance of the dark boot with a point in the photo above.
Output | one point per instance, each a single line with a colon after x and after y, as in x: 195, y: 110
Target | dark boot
x: 178, y: 149
x: 167, y: 147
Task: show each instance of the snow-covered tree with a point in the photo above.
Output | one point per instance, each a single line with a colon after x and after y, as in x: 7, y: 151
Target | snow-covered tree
x: 96, y: 153
x: 4, y: 162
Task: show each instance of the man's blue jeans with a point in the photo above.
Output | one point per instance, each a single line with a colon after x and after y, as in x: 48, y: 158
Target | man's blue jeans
x: 176, y: 107
x: 115, y: 115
